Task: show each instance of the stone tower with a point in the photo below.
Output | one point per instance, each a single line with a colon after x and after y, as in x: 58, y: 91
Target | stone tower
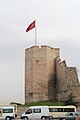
x: 40, y: 73
x: 47, y: 77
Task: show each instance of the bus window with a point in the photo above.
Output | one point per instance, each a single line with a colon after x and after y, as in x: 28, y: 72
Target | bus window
x: 7, y: 110
x: 52, y: 109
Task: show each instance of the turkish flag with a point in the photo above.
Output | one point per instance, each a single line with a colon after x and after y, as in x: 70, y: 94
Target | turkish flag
x: 31, y: 26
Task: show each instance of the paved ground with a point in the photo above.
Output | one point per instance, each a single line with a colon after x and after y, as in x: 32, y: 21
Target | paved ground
x: 29, y: 119
x: 34, y: 119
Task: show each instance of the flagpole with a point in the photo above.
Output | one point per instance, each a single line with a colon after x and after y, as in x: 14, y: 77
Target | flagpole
x: 31, y: 26
x: 35, y: 35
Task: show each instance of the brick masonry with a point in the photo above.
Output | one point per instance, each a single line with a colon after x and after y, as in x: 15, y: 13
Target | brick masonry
x: 46, y: 77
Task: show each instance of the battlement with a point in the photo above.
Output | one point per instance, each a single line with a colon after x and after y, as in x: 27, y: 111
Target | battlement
x: 42, y: 47
x: 42, y: 51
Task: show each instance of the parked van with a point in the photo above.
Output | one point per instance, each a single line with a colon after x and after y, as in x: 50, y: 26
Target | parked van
x: 44, y: 112
x: 7, y: 112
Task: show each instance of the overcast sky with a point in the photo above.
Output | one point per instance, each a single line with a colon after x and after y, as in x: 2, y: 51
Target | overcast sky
x: 58, y: 25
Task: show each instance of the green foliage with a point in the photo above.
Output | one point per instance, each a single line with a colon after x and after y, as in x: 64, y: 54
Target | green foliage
x: 43, y: 103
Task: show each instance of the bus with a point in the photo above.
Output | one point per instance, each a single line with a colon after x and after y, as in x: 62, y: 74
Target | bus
x: 60, y: 111
x: 43, y: 112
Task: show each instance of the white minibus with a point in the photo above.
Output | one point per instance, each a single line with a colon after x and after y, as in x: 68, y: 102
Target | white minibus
x: 7, y: 112
x: 43, y: 112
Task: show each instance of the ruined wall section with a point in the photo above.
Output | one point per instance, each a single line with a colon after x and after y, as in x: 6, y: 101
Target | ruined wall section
x: 61, y: 78
x: 67, y: 80
x: 72, y: 77
x: 40, y: 73
x: 73, y: 85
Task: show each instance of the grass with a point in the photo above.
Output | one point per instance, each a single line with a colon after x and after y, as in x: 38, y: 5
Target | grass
x: 43, y: 103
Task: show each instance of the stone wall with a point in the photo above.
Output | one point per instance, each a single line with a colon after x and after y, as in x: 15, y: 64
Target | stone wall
x: 67, y: 81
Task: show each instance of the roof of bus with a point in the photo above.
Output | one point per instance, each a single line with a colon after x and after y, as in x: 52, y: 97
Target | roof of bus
x: 69, y: 106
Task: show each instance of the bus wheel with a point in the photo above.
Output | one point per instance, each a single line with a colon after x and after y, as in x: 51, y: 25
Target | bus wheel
x: 43, y: 118
x: 64, y: 118
x: 25, y: 118
x: 8, y: 118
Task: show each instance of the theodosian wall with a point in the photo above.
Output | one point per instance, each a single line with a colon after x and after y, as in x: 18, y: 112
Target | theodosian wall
x: 46, y: 77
